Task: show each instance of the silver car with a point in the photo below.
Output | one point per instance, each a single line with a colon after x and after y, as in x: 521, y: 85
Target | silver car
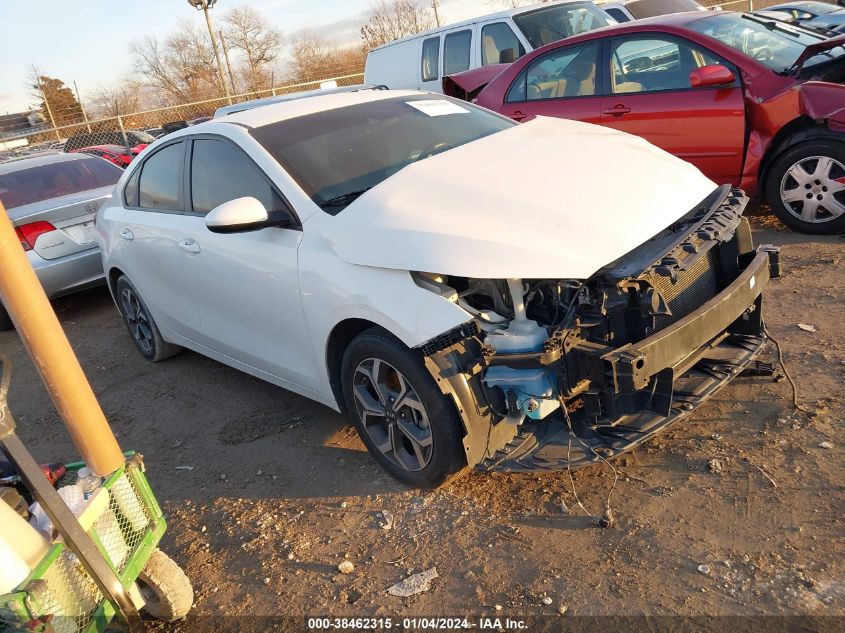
x: 52, y: 200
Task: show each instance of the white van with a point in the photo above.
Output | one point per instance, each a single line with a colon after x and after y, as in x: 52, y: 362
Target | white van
x: 421, y: 61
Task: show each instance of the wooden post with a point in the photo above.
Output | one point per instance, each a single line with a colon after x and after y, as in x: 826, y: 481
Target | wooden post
x: 39, y: 329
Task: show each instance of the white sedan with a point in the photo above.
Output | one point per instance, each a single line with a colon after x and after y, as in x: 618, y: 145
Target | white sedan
x: 471, y: 291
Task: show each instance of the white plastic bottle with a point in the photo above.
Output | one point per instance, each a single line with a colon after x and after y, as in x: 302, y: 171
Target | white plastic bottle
x: 13, y: 569
x: 88, y: 481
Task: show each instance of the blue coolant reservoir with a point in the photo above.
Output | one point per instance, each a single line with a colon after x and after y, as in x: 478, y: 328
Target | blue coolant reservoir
x: 535, y: 391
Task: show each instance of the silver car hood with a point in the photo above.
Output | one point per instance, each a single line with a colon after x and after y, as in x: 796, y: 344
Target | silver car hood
x: 547, y: 198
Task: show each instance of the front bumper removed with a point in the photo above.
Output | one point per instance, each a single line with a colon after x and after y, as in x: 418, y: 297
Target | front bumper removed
x: 619, y: 395
x: 725, y: 336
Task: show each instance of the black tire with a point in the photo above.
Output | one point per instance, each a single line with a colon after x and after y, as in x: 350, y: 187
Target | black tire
x: 165, y: 587
x: 139, y: 322
x: 801, y: 156
x: 5, y: 320
x: 444, y: 456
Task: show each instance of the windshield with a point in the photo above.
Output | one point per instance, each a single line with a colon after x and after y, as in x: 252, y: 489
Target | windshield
x: 551, y: 24
x: 337, y: 154
x: 774, y: 44
x: 35, y: 184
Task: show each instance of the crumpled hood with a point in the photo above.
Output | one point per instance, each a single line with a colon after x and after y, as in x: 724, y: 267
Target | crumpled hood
x: 550, y: 198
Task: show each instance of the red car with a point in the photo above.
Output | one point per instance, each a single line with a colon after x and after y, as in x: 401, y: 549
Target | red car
x: 116, y: 154
x: 748, y: 100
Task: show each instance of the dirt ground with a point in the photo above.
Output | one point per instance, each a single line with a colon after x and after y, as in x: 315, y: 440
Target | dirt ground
x: 282, y: 490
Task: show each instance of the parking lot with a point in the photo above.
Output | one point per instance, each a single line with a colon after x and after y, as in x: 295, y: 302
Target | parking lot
x: 735, y: 512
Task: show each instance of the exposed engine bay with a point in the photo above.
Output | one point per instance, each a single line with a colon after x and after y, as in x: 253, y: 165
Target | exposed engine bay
x: 568, y: 371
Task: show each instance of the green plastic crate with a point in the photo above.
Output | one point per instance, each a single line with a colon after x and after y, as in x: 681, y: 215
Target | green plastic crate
x: 59, y: 596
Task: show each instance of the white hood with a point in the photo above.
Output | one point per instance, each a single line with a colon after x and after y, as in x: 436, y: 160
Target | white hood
x: 546, y: 199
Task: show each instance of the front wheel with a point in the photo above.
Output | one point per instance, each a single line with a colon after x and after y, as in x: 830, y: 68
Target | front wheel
x: 806, y: 186
x: 167, y: 592
x: 404, y: 420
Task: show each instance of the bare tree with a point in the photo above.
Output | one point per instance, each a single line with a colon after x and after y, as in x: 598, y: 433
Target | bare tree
x: 182, y: 66
x: 314, y: 58
x: 389, y: 20
x: 260, y: 44
x: 123, y: 97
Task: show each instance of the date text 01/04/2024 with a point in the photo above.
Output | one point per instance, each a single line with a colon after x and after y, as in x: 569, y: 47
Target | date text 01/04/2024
x: 415, y: 624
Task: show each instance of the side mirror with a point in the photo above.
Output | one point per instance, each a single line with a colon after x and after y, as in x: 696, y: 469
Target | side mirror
x: 714, y: 75
x: 243, y: 214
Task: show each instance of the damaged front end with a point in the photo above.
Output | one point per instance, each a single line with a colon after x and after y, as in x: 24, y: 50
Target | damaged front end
x: 557, y: 373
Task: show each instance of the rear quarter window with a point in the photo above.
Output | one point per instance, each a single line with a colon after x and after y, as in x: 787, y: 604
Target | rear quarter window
x: 430, y: 58
x: 53, y: 180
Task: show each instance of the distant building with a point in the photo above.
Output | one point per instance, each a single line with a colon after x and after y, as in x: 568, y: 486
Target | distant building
x: 22, y: 124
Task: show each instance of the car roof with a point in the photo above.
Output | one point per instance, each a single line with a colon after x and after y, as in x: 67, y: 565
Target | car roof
x: 291, y: 96
x: 41, y: 159
x: 282, y: 111
x: 469, y: 21
x: 107, y: 148
x: 672, y: 21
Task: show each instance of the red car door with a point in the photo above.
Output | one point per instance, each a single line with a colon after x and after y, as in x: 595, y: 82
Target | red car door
x: 561, y: 84
x: 650, y: 95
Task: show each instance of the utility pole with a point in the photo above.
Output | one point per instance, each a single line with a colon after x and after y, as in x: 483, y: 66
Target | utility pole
x: 204, y: 6
x: 434, y: 5
x: 81, y: 107
x: 228, y: 63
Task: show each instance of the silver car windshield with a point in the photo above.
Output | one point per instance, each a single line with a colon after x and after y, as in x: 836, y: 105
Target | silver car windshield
x: 772, y: 43
x: 544, y: 26
x: 53, y: 180
x: 338, y: 154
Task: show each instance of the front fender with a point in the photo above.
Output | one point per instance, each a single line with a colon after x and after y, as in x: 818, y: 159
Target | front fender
x: 821, y: 100
x: 333, y: 291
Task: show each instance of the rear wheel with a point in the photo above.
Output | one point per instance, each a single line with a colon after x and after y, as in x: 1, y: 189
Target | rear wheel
x: 806, y: 186
x: 404, y: 420
x: 5, y: 320
x: 142, y: 328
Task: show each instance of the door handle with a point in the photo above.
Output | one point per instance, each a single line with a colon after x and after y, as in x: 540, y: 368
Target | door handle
x: 618, y: 110
x: 127, y: 234
x: 189, y: 246
x: 518, y: 115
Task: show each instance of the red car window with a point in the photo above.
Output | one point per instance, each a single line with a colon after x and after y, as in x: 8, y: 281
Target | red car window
x: 566, y: 72
x: 653, y: 64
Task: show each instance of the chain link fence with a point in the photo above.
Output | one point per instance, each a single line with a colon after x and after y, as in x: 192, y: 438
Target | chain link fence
x: 119, y: 139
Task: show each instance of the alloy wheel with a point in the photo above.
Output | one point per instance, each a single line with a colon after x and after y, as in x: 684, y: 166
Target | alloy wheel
x: 392, y: 414
x: 813, y: 189
x: 137, y: 320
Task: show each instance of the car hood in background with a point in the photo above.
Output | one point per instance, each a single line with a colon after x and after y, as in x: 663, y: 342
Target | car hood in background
x: 547, y: 198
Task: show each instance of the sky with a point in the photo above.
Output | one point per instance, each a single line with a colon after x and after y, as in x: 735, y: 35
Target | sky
x: 87, y: 41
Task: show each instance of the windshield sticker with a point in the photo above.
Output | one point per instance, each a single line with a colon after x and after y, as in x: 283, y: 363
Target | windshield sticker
x: 437, y: 107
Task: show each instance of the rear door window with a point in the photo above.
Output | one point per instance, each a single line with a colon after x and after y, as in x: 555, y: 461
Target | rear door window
x: 53, y: 180
x: 430, y: 58
x: 499, y: 44
x: 160, y: 184
x: 220, y: 173
x: 456, y: 52
x: 567, y: 72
